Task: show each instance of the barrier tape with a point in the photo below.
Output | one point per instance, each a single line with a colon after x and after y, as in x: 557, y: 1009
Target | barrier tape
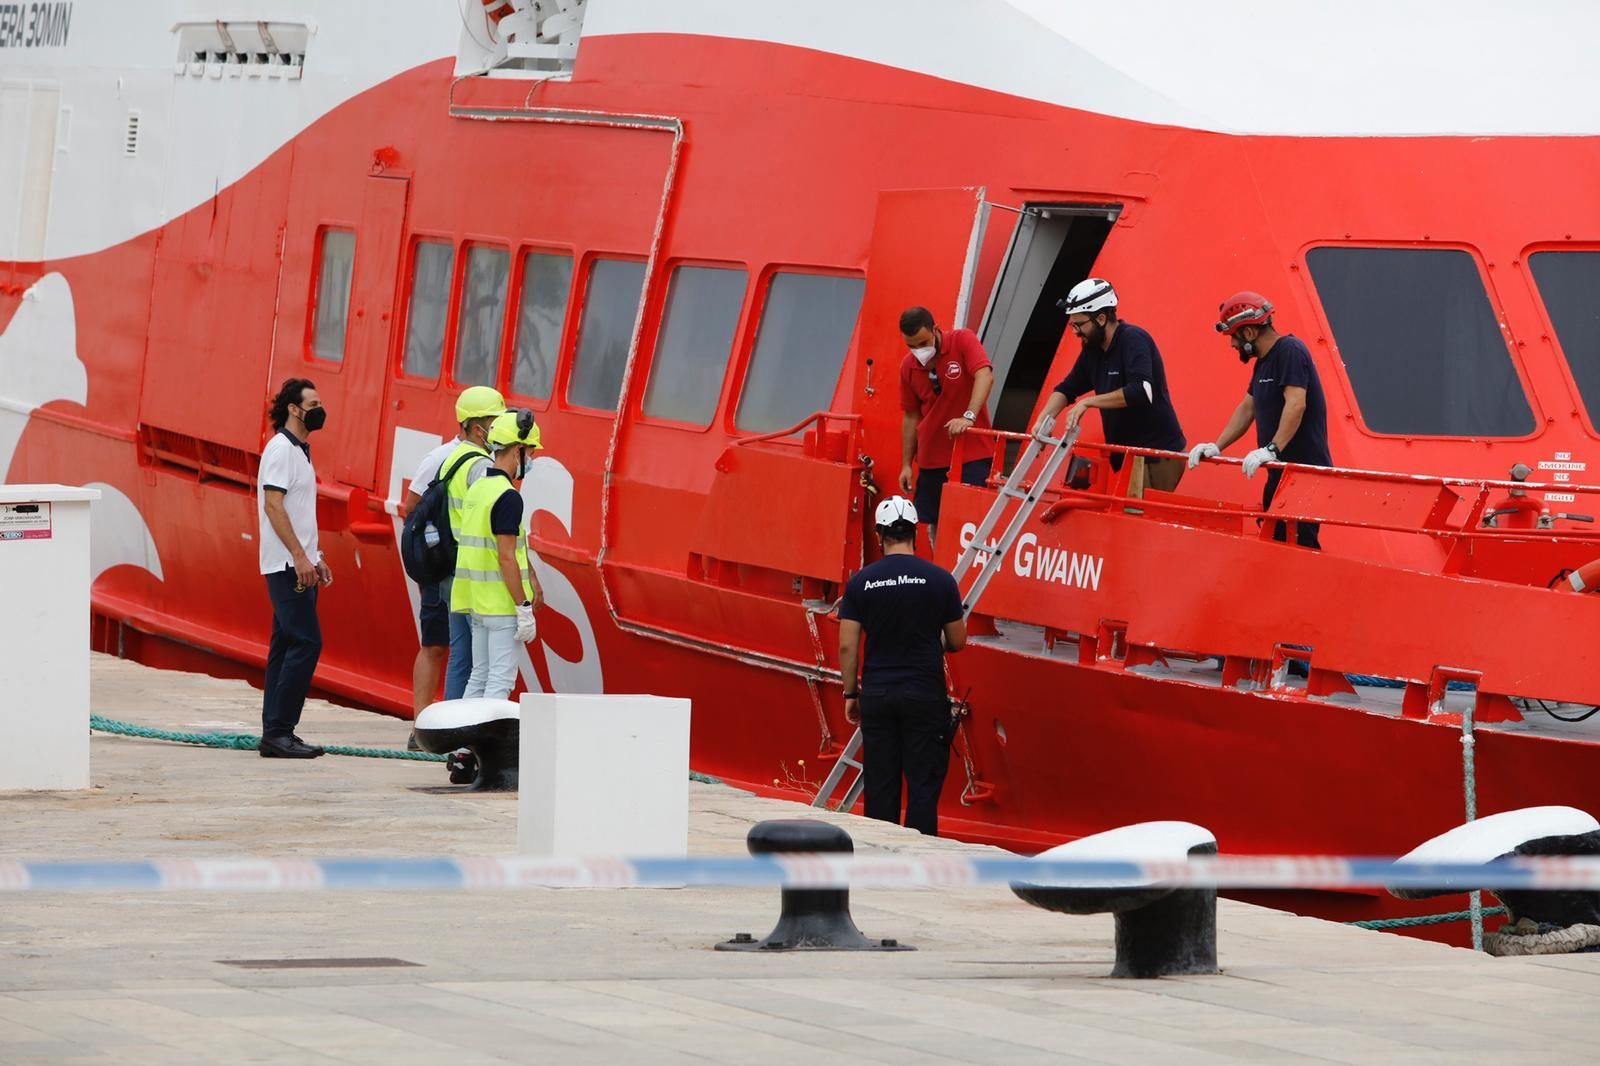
x: 791, y: 871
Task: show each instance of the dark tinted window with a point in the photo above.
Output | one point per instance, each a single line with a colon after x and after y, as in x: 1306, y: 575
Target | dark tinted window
x: 1569, y: 282
x: 430, y: 303
x: 806, y: 323
x: 332, y: 310
x: 610, y: 304
x: 1420, y: 342
x: 541, y: 313
x: 696, y: 336
x: 482, y: 312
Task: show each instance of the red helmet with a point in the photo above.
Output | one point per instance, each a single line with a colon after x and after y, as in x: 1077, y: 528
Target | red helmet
x: 1243, y: 309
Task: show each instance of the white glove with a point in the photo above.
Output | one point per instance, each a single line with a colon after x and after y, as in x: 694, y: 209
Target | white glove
x: 1202, y: 451
x: 526, y: 627
x: 1253, y: 461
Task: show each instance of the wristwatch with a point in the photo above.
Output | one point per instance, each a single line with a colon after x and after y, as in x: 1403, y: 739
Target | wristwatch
x: 852, y: 695
x: 525, y: 603
x: 969, y: 416
x: 1273, y: 448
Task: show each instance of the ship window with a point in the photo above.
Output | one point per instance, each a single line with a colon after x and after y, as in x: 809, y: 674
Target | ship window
x: 1569, y: 282
x: 1420, y: 342
x: 806, y: 323
x: 691, y: 357
x: 541, y: 313
x: 482, y: 311
x: 430, y: 304
x: 336, y: 261
x: 610, y: 305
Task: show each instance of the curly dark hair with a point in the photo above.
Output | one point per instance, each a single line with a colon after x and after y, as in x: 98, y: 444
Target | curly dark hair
x: 292, y: 392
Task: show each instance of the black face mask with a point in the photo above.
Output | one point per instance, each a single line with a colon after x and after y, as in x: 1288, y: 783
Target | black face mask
x: 315, y: 419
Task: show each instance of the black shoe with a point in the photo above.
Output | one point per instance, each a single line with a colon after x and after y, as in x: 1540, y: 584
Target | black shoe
x: 286, y: 748
x: 318, y: 748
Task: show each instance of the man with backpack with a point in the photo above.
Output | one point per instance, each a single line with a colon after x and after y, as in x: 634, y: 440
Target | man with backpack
x: 454, y: 466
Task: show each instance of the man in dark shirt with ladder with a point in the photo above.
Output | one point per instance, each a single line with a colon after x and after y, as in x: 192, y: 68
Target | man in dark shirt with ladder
x: 910, y: 610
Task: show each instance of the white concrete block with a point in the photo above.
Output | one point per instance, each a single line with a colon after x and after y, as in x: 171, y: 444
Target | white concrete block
x: 44, y: 636
x: 603, y: 775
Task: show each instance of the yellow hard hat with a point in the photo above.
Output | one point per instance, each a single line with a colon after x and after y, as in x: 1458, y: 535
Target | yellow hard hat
x: 480, y: 401
x: 514, y: 427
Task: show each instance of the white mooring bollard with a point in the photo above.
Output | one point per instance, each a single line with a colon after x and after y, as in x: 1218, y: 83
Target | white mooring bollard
x: 44, y: 636
x: 603, y: 775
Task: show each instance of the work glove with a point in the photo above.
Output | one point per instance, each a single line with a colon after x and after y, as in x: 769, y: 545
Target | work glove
x: 526, y: 628
x: 1202, y: 451
x: 1253, y: 461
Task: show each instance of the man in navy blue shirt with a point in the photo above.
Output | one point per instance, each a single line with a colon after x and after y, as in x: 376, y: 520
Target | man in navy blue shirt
x: 910, y: 610
x: 1120, y: 372
x: 1284, y: 399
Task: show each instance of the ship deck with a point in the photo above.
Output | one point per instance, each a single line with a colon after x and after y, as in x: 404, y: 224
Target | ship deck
x: 579, y: 976
x: 1024, y: 639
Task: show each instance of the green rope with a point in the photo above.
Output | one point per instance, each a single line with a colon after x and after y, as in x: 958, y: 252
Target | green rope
x: 1425, y: 919
x: 248, y: 742
x: 244, y: 741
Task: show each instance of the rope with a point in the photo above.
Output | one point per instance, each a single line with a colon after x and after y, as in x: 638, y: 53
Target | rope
x: 1425, y: 919
x: 248, y: 742
x: 244, y: 741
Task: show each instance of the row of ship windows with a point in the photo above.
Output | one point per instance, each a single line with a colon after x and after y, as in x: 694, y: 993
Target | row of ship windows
x: 805, y: 326
x: 1421, y: 343
x: 1424, y: 349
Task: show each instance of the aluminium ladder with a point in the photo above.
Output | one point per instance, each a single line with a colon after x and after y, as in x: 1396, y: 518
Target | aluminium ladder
x: 1022, y: 487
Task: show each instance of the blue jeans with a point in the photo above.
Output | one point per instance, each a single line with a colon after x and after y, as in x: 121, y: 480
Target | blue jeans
x: 460, y: 668
x: 292, y: 656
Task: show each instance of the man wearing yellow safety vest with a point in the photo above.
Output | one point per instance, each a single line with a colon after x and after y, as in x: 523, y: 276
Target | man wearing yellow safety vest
x: 445, y: 634
x: 494, y: 588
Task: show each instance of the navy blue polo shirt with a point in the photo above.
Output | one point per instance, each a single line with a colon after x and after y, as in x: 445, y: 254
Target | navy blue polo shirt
x: 1127, y: 366
x: 903, y: 603
x: 1289, y: 363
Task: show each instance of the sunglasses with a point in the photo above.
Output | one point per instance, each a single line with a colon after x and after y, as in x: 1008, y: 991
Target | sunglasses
x: 933, y: 379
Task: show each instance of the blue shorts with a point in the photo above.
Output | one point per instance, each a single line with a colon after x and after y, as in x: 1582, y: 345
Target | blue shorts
x: 435, y: 615
x: 930, y: 486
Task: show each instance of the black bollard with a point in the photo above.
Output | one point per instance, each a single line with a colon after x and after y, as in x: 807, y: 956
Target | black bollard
x: 812, y: 919
x: 1161, y: 931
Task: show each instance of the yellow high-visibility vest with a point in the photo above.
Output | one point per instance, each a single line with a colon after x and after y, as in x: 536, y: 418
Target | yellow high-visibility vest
x: 456, y: 491
x: 479, y: 587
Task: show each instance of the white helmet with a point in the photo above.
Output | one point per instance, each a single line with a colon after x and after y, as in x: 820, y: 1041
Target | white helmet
x: 1088, y: 296
x: 896, y: 509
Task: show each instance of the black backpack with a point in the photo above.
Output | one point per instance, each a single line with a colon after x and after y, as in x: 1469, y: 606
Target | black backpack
x: 427, y: 544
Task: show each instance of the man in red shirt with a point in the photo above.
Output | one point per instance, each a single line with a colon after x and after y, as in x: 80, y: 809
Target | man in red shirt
x: 945, y: 380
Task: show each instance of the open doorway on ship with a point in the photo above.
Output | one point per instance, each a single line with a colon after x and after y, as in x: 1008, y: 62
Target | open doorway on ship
x: 1053, y: 247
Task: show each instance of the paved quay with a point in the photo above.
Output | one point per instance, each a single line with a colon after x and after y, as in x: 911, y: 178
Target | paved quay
x: 609, y: 976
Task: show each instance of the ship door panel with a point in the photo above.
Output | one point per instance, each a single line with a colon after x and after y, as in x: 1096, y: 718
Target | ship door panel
x: 213, y: 293
x: 924, y: 252
x: 358, y: 408
x: 1053, y: 247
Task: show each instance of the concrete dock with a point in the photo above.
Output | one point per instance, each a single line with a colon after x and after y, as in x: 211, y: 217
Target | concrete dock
x: 609, y: 976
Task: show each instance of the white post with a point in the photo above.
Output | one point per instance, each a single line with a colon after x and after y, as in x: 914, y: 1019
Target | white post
x: 44, y: 636
x: 603, y: 775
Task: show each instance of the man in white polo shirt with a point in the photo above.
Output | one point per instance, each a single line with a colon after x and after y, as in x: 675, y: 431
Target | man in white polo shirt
x: 293, y: 566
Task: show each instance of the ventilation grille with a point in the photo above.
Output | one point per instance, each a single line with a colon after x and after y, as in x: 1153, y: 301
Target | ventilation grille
x: 130, y: 136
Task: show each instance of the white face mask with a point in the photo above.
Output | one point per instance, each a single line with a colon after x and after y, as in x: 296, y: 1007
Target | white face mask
x: 924, y: 355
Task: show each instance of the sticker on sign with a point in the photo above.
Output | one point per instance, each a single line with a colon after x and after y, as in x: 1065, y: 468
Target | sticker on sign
x: 25, y: 521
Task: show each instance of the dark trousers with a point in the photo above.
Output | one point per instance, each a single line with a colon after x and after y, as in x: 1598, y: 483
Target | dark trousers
x: 909, y: 738
x: 1305, y: 532
x: 292, y: 656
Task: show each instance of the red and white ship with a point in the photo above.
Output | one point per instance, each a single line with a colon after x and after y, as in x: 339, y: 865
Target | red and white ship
x: 682, y: 231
